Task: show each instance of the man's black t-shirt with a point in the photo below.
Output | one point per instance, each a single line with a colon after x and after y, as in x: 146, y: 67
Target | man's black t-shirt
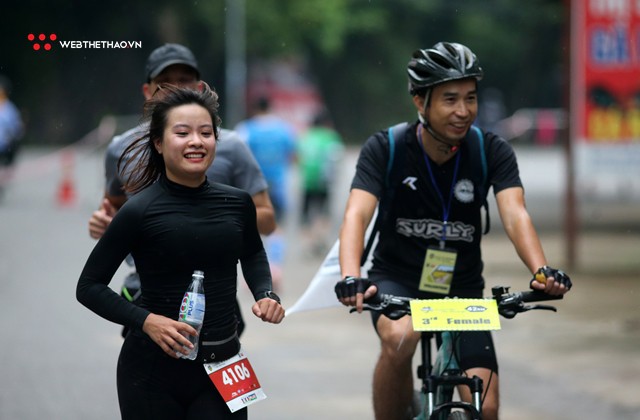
x: 172, y: 230
x: 416, y: 215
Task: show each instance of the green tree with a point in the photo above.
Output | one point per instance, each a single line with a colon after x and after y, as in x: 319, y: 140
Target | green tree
x: 357, y: 51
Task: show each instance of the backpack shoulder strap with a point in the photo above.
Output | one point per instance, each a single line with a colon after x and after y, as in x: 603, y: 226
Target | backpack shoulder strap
x: 480, y: 171
x: 396, y: 157
x: 393, y: 176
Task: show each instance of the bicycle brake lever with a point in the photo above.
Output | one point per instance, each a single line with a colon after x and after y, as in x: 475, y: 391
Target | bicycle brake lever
x: 394, y: 314
x: 367, y: 307
x: 543, y: 307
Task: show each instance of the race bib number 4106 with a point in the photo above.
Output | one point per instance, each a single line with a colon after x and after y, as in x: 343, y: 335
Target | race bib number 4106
x: 236, y: 381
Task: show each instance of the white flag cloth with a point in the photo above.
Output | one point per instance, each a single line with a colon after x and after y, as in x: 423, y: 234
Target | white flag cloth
x: 320, y: 292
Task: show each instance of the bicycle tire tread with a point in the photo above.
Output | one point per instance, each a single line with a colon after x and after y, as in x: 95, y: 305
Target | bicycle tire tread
x: 459, y: 415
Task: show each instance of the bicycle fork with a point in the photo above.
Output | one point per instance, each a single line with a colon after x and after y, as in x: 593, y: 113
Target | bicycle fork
x: 439, y: 392
x: 439, y: 382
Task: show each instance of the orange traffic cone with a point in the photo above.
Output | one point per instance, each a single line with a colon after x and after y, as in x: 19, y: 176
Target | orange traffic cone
x: 66, y: 190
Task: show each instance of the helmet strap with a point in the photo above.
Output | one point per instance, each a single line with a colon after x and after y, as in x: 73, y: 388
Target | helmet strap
x: 425, y: 124
x: 423, y: 120
x: 438, y: 137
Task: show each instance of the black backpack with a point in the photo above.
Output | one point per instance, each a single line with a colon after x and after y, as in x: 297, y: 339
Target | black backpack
x: 395, y: 171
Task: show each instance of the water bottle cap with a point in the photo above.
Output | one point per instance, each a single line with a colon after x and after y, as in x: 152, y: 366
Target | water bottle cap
x: 198, y: 273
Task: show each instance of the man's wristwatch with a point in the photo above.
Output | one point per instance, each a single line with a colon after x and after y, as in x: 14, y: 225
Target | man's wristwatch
x: 271, y: 295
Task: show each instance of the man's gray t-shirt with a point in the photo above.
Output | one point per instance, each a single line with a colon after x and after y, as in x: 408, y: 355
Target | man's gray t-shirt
x: 233, y: 165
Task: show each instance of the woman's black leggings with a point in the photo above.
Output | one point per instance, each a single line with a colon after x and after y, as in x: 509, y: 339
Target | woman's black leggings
x: 153, y: 385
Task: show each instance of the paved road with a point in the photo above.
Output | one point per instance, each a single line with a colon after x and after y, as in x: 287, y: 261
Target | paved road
x: 58, y: 359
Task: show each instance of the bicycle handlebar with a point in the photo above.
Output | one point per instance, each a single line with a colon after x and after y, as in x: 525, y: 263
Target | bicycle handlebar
x: 509, y: 304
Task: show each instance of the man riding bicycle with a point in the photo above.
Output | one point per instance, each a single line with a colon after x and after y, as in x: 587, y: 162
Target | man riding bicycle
x: 433, y: 224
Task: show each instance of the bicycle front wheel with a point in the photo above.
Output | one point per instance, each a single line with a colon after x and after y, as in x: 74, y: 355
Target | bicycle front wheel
x: 459, y: 415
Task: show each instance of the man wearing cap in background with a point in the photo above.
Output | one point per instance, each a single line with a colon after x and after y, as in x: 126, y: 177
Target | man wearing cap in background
x: 233, y: 165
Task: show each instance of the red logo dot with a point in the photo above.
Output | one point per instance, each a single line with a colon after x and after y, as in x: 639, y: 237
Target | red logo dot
x: 53, y: 37
x: 31, y: 37
x: 42, y: 37
x: 47, y: 46
x: 36, y: 47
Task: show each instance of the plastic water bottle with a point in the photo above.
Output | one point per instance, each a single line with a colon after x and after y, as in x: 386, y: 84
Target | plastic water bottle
x: 192, y: 311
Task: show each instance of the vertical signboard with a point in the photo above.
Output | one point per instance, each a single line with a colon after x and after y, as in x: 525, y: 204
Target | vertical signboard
x: 606, y: 97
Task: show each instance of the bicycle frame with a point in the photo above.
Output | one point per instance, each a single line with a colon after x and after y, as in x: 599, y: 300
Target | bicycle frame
x: 440, y: 379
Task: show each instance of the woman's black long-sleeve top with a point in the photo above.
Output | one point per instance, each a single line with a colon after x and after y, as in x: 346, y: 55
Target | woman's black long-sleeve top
x: 172, y: 230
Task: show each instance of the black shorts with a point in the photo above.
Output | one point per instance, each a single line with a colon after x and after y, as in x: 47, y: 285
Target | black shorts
x: 476, y: 348
x: 314, y: 203
x: 153, y: 385
x: 8, y: 155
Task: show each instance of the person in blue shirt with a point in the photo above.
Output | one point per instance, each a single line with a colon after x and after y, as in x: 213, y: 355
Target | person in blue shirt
x: 272, y: 141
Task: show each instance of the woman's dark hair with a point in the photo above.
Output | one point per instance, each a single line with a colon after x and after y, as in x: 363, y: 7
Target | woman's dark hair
x: 140, y: 164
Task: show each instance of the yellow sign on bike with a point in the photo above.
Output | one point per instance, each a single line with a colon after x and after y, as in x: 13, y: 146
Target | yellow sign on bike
x: 455, y: 315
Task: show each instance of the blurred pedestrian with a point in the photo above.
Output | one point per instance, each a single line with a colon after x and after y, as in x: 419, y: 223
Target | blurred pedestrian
x: 177, y: 222
x: 11, y: 131
x: 273, y: 143
x: 319, y: 151
x: 234, y: 165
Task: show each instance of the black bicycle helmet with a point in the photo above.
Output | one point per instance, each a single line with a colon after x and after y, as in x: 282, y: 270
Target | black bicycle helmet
x: 443, y: 62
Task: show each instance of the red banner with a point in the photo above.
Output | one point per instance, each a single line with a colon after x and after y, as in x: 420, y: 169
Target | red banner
x: 607, y: 70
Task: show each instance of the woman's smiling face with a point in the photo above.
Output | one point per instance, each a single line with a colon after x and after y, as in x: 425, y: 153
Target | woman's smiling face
x: 188, y: 145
